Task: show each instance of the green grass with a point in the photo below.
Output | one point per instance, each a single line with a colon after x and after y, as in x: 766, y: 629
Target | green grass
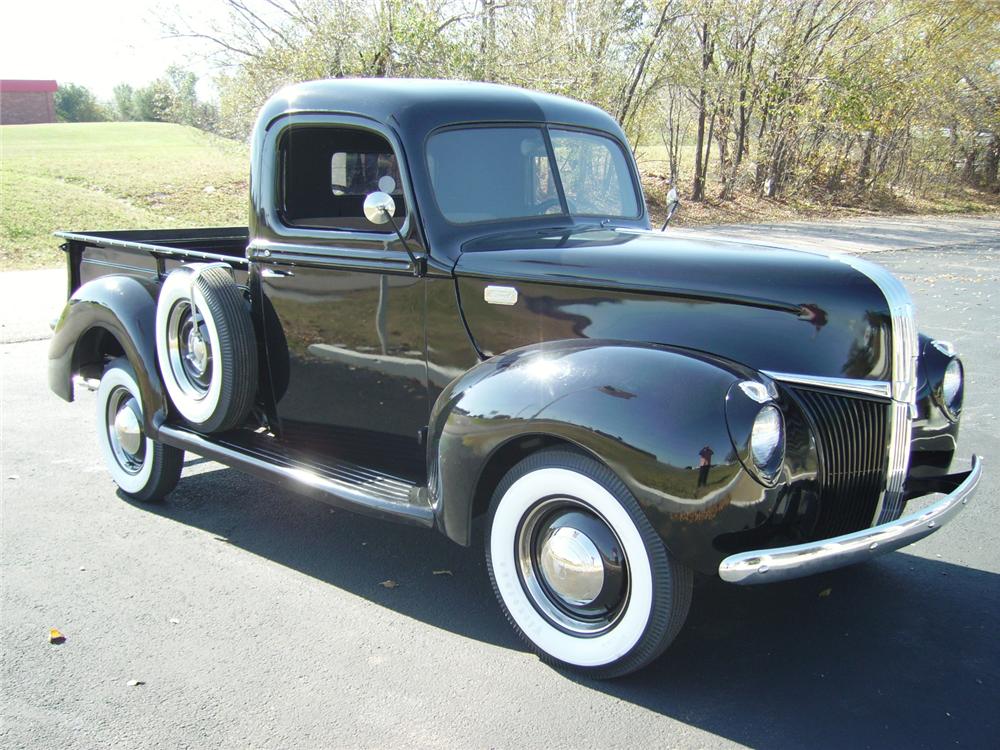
x: 100, y: 176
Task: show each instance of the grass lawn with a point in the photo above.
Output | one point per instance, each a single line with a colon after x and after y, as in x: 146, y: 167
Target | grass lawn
x: 114, y: 175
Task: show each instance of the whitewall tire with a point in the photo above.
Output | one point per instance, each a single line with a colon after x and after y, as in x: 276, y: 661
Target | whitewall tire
x: 206, y: 348
x: 578, y: 569
x: 143, y: 468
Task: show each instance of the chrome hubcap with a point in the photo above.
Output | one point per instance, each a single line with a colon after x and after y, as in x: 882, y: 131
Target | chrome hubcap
x: 127, y: 428
x: 189, y: 350
x: 124, y: 427
x: 197, y: 352
x: 571, y: 565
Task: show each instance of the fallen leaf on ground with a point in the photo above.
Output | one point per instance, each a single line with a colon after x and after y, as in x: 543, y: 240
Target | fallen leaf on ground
x: 443, y: 573
x: 390, y: 584
x: 825, y: 593
x: 56, y: 637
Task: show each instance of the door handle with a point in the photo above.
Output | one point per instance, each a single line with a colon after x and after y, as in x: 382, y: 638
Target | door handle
x: 275, y: 273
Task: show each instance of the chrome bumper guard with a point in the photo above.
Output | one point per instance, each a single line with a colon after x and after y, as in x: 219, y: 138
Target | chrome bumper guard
x: 785, y: 563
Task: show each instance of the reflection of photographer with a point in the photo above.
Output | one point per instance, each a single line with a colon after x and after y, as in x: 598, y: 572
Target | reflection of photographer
x: 704, y: 464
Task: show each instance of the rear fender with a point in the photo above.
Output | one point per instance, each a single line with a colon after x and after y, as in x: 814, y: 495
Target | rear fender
x: 125, y: 308
x: 648, y: 412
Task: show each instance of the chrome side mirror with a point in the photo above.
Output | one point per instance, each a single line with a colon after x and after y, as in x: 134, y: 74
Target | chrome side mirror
x: 379, y: 207
x: 673, y: 203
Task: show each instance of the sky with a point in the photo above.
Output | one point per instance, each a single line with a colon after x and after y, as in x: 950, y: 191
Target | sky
x: 98, y: 43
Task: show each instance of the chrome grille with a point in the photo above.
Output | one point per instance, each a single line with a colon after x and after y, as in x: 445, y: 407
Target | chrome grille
x: 852, y: 439
x: 905, y: 350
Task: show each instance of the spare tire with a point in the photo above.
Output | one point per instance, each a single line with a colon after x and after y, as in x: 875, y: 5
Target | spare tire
x: 207, y: 353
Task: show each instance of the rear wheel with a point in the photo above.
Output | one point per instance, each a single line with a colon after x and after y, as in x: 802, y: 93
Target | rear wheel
x: 578, y: 569
x: 141, y: 467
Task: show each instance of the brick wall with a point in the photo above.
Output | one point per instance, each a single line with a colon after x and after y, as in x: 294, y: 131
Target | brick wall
x: 22, y: 107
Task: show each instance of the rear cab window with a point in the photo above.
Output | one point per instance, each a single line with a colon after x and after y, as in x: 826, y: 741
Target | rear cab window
x: 325, y: 173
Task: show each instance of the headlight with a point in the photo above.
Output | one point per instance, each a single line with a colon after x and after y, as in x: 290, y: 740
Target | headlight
x: 951, y: 387
x: 767, y: 441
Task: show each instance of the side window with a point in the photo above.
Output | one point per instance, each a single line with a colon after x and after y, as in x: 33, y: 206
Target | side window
x: 490, y: 174
x: 326, y: 172
x: 594, y: 173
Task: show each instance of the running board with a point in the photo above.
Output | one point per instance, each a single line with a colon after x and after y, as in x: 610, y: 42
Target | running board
x: 338, y: 483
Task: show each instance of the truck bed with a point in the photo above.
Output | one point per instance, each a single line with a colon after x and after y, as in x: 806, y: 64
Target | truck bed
x: 150, y: 252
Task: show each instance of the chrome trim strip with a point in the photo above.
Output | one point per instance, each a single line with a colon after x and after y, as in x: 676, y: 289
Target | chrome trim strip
x: 121, y: 266
x: 785, y: 563
x: 376, y: 259
x: 905, y: 351
x: 890, y: 504
x: 99, y: 241
x: 347, y: 492
x: 879, y: 388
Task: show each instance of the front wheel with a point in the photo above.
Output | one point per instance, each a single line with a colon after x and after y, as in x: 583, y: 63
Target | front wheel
x: 578, y: 569
x: 143, y: 468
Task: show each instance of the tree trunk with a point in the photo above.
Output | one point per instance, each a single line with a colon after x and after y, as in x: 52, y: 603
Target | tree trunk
x: 866, y: 161
x: 726, y: 173
x: 969, y: 168
x: 991, y: 177
x: 672, y: 141
x: 708, y: 149
x: 630, y: 104
x: 698, y: 186
x: 741, y: 131
x: 774, y: 177
x: 887, y: 146
x: 488, y: 44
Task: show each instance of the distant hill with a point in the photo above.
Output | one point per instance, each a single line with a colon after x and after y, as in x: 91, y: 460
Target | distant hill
x: 112, y: 175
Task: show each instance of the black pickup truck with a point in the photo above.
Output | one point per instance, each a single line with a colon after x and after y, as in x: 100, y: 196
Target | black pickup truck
x: 449, y: 306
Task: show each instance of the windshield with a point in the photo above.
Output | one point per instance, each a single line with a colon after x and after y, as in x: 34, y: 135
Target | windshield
x: 501, y: 173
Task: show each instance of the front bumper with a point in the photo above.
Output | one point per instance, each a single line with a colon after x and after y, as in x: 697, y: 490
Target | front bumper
x: 785, y: 563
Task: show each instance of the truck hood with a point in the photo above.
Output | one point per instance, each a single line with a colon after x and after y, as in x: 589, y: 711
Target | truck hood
x: 769, y: 308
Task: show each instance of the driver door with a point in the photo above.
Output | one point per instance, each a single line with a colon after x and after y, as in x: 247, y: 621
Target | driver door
x: 342, y: 311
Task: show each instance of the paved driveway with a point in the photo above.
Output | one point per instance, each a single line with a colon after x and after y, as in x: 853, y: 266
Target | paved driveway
x: 255, y: 617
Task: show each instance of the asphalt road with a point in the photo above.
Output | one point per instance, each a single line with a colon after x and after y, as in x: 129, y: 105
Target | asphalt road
x: 253, y: 617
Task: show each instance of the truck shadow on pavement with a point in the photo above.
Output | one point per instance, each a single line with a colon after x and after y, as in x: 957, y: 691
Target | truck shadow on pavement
x: 900, y: 652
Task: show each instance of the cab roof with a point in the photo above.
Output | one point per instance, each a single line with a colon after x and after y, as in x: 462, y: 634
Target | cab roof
x: 417, y: 106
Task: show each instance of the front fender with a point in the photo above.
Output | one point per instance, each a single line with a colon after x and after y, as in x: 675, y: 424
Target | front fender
x: 654, y: 415
x: 124, y: 307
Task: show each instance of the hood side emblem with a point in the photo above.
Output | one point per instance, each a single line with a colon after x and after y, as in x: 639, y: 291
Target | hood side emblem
x: 500, y: 295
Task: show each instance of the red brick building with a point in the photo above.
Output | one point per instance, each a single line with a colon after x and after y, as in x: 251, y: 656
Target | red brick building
x: 23, y: 102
